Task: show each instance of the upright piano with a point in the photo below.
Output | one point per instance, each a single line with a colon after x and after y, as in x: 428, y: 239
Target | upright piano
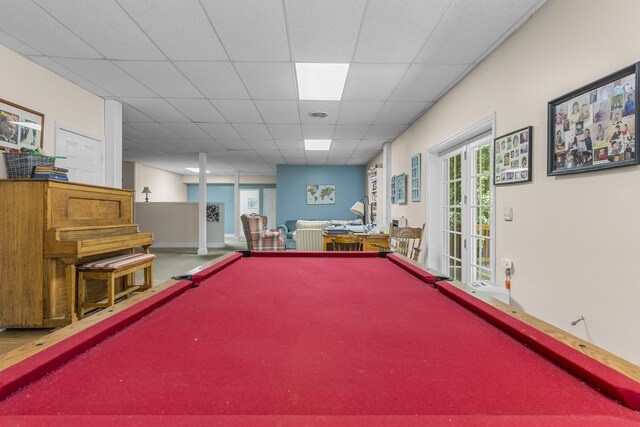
x: 48, y: 227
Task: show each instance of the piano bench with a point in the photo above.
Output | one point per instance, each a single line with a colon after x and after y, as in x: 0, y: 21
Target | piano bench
x: 109, y: 269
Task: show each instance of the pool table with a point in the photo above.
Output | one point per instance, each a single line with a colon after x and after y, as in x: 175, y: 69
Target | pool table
x: 329, y: 338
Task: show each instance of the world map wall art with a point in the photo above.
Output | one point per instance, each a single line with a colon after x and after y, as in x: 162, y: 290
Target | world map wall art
x: 321, y: 194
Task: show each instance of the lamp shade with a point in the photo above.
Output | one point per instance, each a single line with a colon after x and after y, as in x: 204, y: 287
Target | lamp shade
x: 146, y: 190
x: 357, y: 208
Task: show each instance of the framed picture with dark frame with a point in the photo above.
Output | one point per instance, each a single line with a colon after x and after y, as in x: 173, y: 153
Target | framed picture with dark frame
x: 595, y: 127
x: 512, y: 157
x: 20, y: 127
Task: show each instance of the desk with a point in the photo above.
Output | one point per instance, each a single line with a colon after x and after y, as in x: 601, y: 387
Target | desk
x: 368, y: 240
x: 347, y: 338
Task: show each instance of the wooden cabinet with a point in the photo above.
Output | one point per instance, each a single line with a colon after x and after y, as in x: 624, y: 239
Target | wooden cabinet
x: 47, y: 227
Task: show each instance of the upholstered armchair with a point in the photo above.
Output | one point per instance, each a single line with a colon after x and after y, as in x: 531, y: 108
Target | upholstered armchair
x: 259, y: 238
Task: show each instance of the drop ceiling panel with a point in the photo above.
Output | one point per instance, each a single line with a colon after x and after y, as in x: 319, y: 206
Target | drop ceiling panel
x: 344, y: 145
x: 372, y: 82
x: 318, y: 131
x: 338, y: 161
x: 324, y: 31
x: 285, y: 131
x: 351, y: 131
x: 104, y: 26
x: 263, y: 145
x: 250, y: 30
x: 156, y: 108
x: 426, y: 82
x: 197, y: 110
x: 179, y: 28
x: 252, y: 131
x: 278, y: 111
x: 161, y: 77
x: 400, y: 113
x: 375, y: 145
x: 219, y: 130
x: 186, y: 130
x: 359, y: 113
x: 385, y: 131
x: 394, y: 31
x: 483, y: 23
x: 131, y: 115
x: 206, y: 145
x: 238, y: 111
x: 154, y: 130
x: 292, y: 153
x: 32, y: 26
x: 64, y: 72
x: 268, y: 80
x: 16, y: 45
x: 289, y: 144
x: 129, y: 132
x: 215, y: 79
x: 104, y: 74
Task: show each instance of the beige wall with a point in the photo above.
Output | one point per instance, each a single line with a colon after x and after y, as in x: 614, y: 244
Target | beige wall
x: 28, y: 84
x: 573, y: 239
x: 175, y: 225
x: 165, y: 186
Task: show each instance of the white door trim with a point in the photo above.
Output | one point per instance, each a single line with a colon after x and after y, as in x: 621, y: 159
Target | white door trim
x: 433, y: 205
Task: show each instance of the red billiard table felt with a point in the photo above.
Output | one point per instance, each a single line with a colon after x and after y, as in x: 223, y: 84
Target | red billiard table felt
x: 306, y: 337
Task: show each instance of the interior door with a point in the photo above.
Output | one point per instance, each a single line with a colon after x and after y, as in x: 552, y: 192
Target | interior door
x: 468, y: 211
x: 83, y: 157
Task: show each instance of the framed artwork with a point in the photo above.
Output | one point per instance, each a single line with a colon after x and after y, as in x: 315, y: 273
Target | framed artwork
x: 512, y: 157
x: 415, y: 177
x: 213, y: 212
x: 393, y: 189
x: 321, y: 194
x: 595, y: 127
x: 20, y: 127
x: 401, y: 188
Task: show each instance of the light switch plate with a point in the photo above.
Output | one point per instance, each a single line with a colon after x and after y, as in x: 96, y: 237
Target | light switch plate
x: 508, y: 214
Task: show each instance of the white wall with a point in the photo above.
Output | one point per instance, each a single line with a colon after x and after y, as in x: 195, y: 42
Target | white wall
x: 28, y: 84
x: 165, y: 186
x: 573, y: 239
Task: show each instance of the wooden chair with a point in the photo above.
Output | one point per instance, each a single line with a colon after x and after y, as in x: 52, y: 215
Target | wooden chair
x: 406, y: 241
x: 347, y: 243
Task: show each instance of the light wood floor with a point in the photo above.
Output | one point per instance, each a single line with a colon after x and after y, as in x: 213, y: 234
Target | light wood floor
x: 168, y: 263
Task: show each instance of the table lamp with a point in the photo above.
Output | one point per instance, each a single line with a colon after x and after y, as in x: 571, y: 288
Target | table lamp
x: 360, y: 208
x: 146, y: 193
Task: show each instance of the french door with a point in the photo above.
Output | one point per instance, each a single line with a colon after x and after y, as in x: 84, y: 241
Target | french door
x: 468, y: 241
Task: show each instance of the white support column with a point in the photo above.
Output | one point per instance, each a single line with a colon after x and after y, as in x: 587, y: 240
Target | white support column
x: 202, y: 205
x: 236, y: 204
x: 385, y: 185
x: 113, y: 143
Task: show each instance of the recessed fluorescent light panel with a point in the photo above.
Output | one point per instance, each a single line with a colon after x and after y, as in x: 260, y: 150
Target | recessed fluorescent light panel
x: 321, y: 82
x: 196, y: 170
x: 317, y: 144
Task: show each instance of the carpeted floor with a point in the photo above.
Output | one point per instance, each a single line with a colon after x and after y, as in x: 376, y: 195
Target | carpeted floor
x: 172, y: 262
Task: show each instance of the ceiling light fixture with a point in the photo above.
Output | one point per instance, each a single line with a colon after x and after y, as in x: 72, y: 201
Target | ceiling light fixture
x: 321, y: 82
x: 317, y: 144
x: 196, y: 170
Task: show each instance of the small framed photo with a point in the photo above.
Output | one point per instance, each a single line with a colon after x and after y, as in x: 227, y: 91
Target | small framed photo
x: 401, y: 189
x: 595, y: 127
x: 512, y: 157
x: 20, y: 127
